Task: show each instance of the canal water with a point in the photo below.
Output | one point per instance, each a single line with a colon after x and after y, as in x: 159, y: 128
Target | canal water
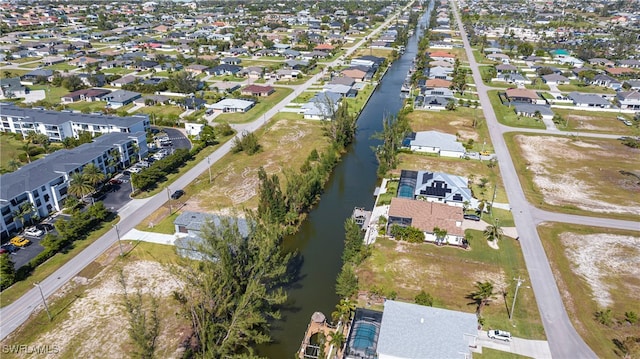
x: 320, y: 238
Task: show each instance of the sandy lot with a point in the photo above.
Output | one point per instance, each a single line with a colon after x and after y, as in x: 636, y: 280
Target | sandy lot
x: 583, y: 173
x: 95, y: 326
x: 607, y: 262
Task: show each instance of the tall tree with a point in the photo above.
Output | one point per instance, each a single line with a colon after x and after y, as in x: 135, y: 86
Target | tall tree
x: 344, y: 309
x: 271, y: 207
x: 394, y: 129
x: 347, y: 282
x: 79, y: 186
x: 493, y: 232
x: 144, y: 323
x: 92, y: 174
x: 232, y: 292
x: 24, y: 210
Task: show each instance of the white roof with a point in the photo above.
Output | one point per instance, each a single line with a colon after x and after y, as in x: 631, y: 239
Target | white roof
x: 444, y: 141
x: 231, y: 103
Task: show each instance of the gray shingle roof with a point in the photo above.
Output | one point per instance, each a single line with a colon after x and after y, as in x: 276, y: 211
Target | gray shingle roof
x: 444, y: 141
x: 587, y: 98
x: 415, y: 331
x: 57, y: 118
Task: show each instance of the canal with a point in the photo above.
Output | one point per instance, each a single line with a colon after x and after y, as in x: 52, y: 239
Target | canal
x: 320, y: 238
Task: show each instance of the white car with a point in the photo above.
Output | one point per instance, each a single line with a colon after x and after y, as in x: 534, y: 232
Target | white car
x: 499, y: 334
x: 33, y: 232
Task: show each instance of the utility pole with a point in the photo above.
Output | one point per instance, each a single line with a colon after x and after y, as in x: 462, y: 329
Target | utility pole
x: 119, y: 241
x: 46, y: 307
x: 209, y: 165
x: 513, y: 305
x: 169, y: 199
x: 495, y: 188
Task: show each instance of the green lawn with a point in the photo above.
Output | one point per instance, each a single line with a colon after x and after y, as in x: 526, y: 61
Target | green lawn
x: 264, y: 104
x: 10, y: 148
x: 61, y: 67
x: 579, y: 86
x: 26, y: 59
x: 507, y: 116
x: 86, y: 107
x: 52, y: 93
x: 117, y: 71
x: 164, y: 110
x: 488, y: 353
x: 7, y: 74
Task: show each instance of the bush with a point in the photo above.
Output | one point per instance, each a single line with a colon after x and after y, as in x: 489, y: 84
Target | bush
x: 247, y: 143
x: 424, y: 299
x: 408, y: 234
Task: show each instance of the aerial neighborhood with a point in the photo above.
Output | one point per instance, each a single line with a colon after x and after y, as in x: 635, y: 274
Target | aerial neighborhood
x: 357, y: 180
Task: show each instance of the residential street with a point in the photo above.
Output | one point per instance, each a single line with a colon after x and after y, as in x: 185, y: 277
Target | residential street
x: 564, y: 341
x: 133, y: 213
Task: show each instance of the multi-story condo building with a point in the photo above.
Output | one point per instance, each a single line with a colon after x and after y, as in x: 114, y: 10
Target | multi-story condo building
x: 44, y: 182
x: 58, y: 125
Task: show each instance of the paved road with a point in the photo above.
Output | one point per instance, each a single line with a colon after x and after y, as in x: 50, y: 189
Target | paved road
x: 133, y: 213
x: 564, y: 341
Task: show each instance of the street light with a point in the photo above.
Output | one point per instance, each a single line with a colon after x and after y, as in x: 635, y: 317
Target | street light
x: 169, y: 199
x: 209, y: 165
x: 119, y: 241
x: 513, y: 305
x: 46, y: 307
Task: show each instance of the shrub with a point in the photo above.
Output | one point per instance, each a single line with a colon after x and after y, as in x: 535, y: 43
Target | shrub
x: 424, y: 299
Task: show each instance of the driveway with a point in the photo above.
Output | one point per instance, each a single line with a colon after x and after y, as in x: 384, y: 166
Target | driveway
x: 529, y: 348
x: 34, y: 96
x: 178, y: 139
x: 119, y: 194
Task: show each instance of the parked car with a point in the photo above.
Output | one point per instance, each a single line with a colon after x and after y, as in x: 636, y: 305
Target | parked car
x: 10, y: 248
x: 46, y: 227
x: 115, y: 181
x: 20, y: 241
x: 500, y: 335
x: 33, y: 232
x: 472, y: 217
x: 177, y: 194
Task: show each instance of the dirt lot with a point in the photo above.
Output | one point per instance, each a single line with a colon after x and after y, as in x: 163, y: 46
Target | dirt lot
x: 588, y: 174
x: 596, y: 270
x: 93, y: 323
x: 589, y: 121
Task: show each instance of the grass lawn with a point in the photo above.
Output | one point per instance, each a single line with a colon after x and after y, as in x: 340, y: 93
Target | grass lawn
x: 356, y: 104
x: 118, y: 71
x: 507, y: 116
x: 594, y: 121
x: 576, y: 175
x: 488, y: 353
x: 25, y: 59
x: 264, y: 104
x: 372, y: 52
x: 31, y: 66
x: 86, y: 107
x: 18, y: 289
x: 61, y: 67
x: 226, y: 78
x: 10, y: 148
x: 540, y: 86
x: 52, y: 93
x: 460, y: 53
x: 579, y: 86
x: 7, y: 74
x: 164, y: 110
x: 606, y: 267
x: 408, y: 268
x: 263, y: 63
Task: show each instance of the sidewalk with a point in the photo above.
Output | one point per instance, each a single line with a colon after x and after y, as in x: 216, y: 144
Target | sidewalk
x: 151, y: 237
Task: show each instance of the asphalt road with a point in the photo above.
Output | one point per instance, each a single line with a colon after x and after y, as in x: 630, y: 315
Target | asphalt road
x: 178, y: 139
x: 134, y: 212
x: 563, y: 339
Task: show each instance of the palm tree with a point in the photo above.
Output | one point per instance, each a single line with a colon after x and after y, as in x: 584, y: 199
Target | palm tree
x: 493, y: 232
x: 92, y: 174
x: 13, y: 164
x: 25, y: 209
x: 440, y: 234
x: 337, y: 339
x: 26, y: 148
x: 79, y: 186
x: 343, y: 310
x: 483, y: 295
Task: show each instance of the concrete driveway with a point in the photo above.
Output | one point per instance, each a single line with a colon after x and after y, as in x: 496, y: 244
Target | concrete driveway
x: 530, y: 348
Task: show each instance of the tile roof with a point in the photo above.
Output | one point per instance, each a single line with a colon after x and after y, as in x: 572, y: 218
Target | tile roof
x: 427, y: 215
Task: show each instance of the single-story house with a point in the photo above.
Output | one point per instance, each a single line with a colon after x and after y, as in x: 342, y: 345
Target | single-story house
x: 193, y: 129
x: 286, y: 74
x: 121, y: 98
x: 432, y: 102
x: 152, y: 99
x: 224, y: 69
x: 426, y: 216
x: 606, y: 81
x: 357, y: 74
x: 438, y: 83
x: 11, y: 87
x: 252, y: 72
x: 125, y: 80
x: 522, y: 95
x: 442, y: 55
x: 89, y: 95
x: 337, y: 88
x: 196, y: 69
x: 231, y: 61
x: 33, y: 75
x: 506, y: 68
x: 226, y: 86
x: 410, y: 331
x: 555, y: 79
x: 440, y: 143
x: 231, y: 105
x: 530, y: 110
x: 257, y: 90
x: 436, y: 187
x: 588, y: 100
x: 192, y: 103
x: 322, y: 106
x: 84, y: 61
x: 189, y: 227
x: 629, y: 100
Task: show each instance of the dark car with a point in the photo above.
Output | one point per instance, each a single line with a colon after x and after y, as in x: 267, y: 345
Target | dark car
x: 177, y: 194
x: 45, y: 227
x: 472, y: 217
x: 10, y: 248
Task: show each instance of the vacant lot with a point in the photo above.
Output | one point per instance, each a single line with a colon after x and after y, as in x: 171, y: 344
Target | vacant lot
x: 285, y: 144
x: 88, y: 313
x: 592, y: 121
x: 449, y: 275
x: 581, y: 175
x: 596, y: 270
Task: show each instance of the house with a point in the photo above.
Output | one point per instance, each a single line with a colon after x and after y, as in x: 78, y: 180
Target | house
x: 410, y: 330
x: 223, y: 69
x: 512, y: 78
x: 342, y: 80
x: 92, y: 79
x: 620, y: 71
x: 152, y: 100
x: 32, y: 76
x: 44, y: 182
x: 192, y: 103
x: 522, y: 95
x: 296, y: 64
x: 322, y: 106
x: 193, y: 129
x: 633, y: 63
x: 506, y: 68
x: 324, y: 47
x: 531, y: 110
x: 432, y: 102
x: 196, y: 69
x: 426, y: 216
x: 226, y: 86
x: 436, y: 187
x: 84, y: 61
x: 11, y: 87
x: 357, y: 74
x: 231, y: 61
x: 257, y: 90
x: 440, y: 143
x: 89, y: 95
x: 52, y: 60
x: 442, y: 55
x: 286, y: 74
x: 606, y: 81
x: 341, y: 89
x: 588, y: 100
x: 629, y: 100
x: 121, y: 98
x: 190, y: 226
x: 252, y: 72
x: 438, y: 83
x: 555, y: 79
x: 125, y: 80
x: 504, y: 58
x: 231, y: 105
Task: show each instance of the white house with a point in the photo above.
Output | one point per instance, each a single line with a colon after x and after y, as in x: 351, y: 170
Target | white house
x: 193, y: 129
x: 231, y: 105
x: 440, y: 143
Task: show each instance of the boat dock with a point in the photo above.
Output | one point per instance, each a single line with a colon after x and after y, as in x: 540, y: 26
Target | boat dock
x: 362, y: 217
